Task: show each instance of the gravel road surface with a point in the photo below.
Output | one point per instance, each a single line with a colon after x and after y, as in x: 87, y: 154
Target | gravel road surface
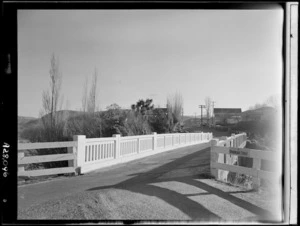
x: 168, y: 186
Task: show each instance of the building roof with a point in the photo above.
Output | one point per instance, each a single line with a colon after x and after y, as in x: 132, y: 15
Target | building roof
x: 227, y: 110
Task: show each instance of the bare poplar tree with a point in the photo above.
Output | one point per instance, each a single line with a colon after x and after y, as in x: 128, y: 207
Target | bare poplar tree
x: 84, y: 95
x: 51, y: 99
x: 208, y: 104
x: 175, y: 107
x: 274, y: 101
x: 92, y: 94
x: 178, y: 106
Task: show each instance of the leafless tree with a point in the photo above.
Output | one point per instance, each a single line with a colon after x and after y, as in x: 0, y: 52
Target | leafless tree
x: 91, y: 104
x: 175, y: 105
x: 52, y: 101
x: 84, y: 95
x: 257, y: 106
x: 208, y: 104
x: 175, y: 108
x: 274, y: 101
x: 52, y: 98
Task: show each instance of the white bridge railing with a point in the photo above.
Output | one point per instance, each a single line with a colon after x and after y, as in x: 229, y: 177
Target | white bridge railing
x: 85, y: 155
x: 103, y: 152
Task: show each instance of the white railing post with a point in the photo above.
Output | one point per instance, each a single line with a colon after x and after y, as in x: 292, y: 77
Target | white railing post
x: 172, y: 140
x: 117, y: 145
x: 154, y: 143
x: 138, y: 145
x: 80, y: 151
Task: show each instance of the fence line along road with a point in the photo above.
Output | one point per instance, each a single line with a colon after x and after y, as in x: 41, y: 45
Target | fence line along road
x: 85, y: 155
x: 224, y: 157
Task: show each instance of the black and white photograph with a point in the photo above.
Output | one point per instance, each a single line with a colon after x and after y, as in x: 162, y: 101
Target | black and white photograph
x: 151, y: 115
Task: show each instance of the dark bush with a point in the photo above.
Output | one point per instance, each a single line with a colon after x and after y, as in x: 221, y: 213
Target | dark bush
x: 113, y: 122
x: 159, y: 121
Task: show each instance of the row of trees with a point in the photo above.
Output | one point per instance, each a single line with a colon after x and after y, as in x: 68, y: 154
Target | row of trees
x: 142, y: 118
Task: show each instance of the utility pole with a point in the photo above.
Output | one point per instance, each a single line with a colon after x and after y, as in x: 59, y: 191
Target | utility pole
x: 201, y: 106
x: 213, y: 114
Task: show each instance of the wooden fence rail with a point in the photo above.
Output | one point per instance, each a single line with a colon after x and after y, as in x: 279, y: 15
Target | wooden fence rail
x: 24, y: 160
x: 232, y: 150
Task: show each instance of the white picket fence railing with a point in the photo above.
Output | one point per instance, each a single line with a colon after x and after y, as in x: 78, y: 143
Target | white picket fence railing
x: 103, y: 152
x: 86, y: 155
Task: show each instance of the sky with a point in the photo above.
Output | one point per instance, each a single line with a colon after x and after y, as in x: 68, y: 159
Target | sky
x: 232, y: 56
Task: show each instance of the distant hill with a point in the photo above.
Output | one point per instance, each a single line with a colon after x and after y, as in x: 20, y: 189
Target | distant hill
x: 65, y: 114
x: 263, y: 113
x: 25, y: 122
x: 24, y: 119
x: 262, y: 109
x: 29, y: 122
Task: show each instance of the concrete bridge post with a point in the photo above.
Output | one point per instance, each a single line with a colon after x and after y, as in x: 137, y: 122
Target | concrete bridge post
x: 117, y: 145
x: 80, y: 153
x: 154, y: 142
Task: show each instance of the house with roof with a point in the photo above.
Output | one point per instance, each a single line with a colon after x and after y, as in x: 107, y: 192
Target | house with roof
x: 224, y: 116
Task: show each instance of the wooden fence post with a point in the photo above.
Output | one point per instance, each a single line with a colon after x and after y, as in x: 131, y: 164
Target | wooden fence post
x: 80, y: 151
x: 21, y: 155
x: 257, y: 166
x: 234, y: 142
x: 117, y: 145
x: 73, y: 163
x: 213, y: 158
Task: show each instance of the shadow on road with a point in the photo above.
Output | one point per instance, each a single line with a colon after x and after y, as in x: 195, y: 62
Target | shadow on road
x: 143, y: 183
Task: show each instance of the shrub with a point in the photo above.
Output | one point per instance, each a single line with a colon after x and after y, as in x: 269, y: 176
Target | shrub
x: 136, y: 124
x: 88, y: 124
x: 113, y: 121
